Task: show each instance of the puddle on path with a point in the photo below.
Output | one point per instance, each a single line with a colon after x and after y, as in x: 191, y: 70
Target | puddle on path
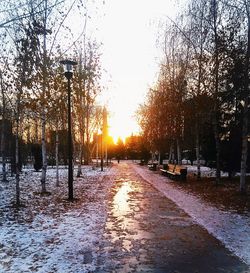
x: 121, y: 200
x: 123, y: 227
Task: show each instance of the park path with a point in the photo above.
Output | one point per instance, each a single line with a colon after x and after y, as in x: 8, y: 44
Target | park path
x: 146, y: 232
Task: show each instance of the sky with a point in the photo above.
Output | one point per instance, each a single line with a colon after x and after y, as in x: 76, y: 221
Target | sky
x: 128, y: 31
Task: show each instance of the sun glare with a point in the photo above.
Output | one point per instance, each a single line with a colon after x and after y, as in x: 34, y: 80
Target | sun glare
x: 128, y: 31
x: 122, y: 128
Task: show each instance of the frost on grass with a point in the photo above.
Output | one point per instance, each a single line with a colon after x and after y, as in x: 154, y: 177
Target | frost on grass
x: 48, y: 233
x: 230, y: 228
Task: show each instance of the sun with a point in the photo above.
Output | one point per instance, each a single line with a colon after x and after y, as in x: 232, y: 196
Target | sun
x: 116, y: 131
x: 122, y: 127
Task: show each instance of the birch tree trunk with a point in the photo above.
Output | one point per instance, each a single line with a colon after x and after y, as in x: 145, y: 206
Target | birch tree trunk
x: 159, y: 159
x: 244, y: 151
x: 44, y: 81
x: 87, y: 130
x: 19, y: 95
x: 57, y: 158
x: 17, y: 163
x: 81, y: 114
x: 198, y: 150
x: 4, y: 179
x: 216, y: 91
x: 79, y: 169
x: 44, y: 154
x: 197, y: 106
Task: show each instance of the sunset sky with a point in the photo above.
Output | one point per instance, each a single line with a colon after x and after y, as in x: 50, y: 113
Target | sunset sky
x: 129, y: 30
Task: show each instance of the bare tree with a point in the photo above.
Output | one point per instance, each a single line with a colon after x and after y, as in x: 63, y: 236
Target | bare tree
x: 3, y: 132
x: 199, y: 29
x: 245, y: 129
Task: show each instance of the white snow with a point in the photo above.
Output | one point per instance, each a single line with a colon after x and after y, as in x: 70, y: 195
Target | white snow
x: 50, y: 235
x: 232, y: 229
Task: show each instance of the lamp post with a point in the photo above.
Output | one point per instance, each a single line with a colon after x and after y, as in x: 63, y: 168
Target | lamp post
x: 102, y: 151
x: 68, y: 72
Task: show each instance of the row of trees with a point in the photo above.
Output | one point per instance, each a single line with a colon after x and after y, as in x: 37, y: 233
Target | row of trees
x: 35, y: 36
x: 133, y: 148
x: 201, y: 99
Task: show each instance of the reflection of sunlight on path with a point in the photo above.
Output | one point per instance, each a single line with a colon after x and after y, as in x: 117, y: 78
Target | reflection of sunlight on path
x: 126, y: 210
x: 126, y: 226
x: 121, y: 200
x: 126, y: 229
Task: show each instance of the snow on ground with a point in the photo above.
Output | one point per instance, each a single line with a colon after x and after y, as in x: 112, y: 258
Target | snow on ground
x: 230, y: 228
x: 50, y: 234
x: 206, y: 171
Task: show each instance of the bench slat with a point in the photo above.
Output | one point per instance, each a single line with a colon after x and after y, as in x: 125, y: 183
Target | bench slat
x: 175, y: 171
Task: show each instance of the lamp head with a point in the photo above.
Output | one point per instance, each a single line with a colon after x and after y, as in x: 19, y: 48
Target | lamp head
x: 68, y: 68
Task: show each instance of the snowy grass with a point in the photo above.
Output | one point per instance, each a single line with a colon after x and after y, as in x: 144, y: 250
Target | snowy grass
x: 205, y: 171
x: 50, y: 234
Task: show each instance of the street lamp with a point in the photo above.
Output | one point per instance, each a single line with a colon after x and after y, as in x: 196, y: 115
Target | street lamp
x: 68, y: 72
x: 102, y: 150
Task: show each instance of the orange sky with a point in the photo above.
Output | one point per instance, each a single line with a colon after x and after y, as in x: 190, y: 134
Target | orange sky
x: 128, y: 31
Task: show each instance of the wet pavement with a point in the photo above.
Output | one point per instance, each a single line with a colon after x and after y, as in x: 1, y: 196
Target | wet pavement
x: 146, y: 232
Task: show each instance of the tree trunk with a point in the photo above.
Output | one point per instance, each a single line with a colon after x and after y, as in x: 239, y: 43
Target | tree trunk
x: 198, y: 150
x: 159, y: 159
x: 102, y: 152
x: 4, y: 179
x: 57, y: 158
x: 17, y: 165
x: 79, y: 170
x: 178, y: 151
x: 17, y: 162
x: 217, y: 145
x: 197, y: 104
x: 87, y: 134
x: 44, y: 82
x: 97, y: 150
x: 244, y: 151
x: 171, y: 154
x: 36, y: 131
x: 81, y: 116
x: 106, y: 152
x: 44, y: 154
x: 216, y: 91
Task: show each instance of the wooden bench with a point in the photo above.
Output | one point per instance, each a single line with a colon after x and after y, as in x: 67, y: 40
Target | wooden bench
x: 164, y: 169
x: 181, y: 172
x: 175, y: 171
x: 152, y: 166
x: 142, y: 162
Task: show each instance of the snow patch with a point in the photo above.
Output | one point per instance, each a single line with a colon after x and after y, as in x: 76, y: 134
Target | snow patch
x: 48, y: 235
